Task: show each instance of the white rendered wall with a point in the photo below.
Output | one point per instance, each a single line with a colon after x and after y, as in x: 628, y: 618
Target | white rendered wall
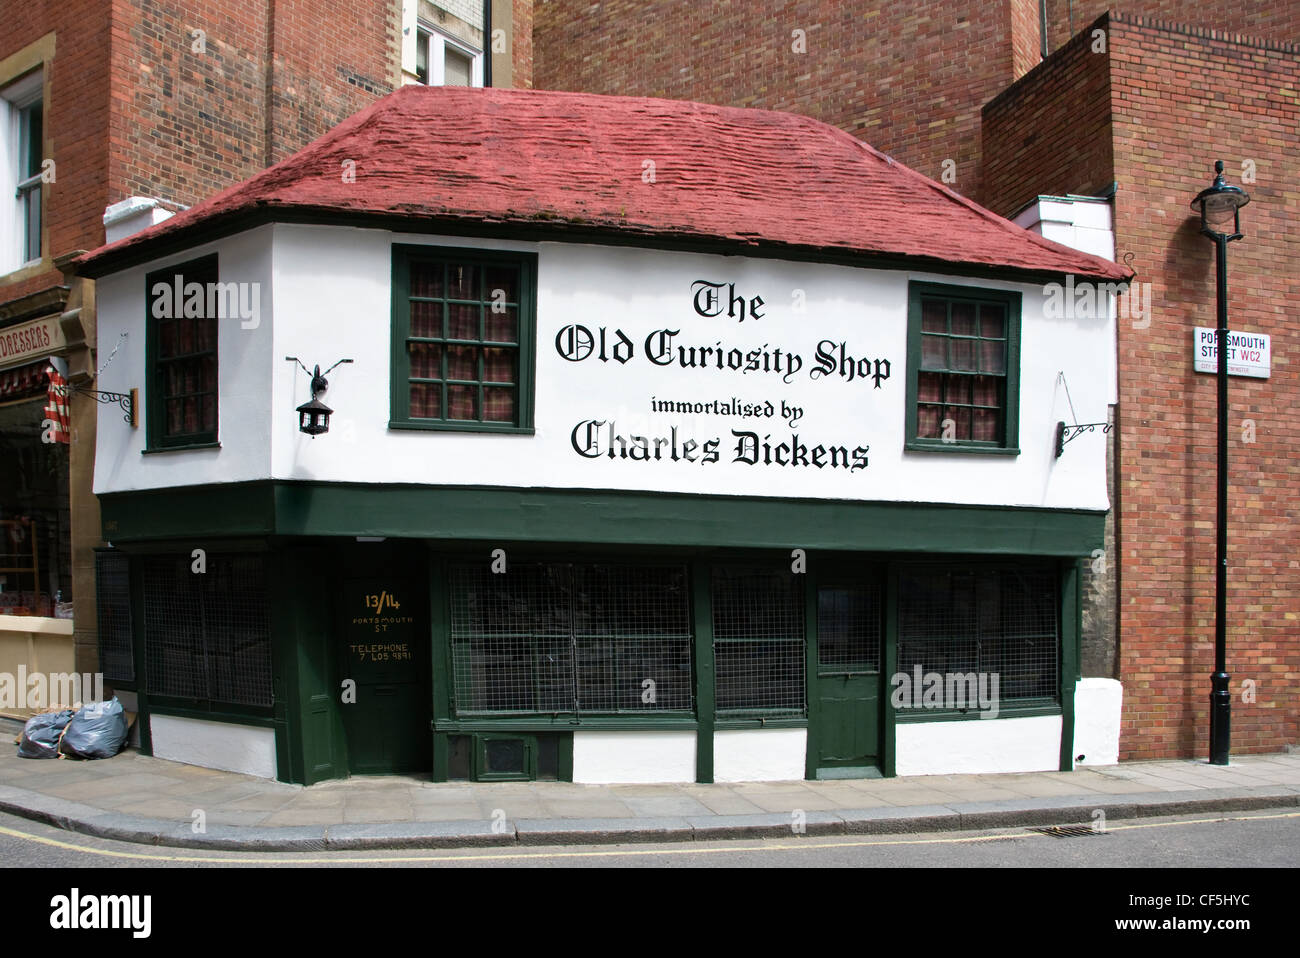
x: 245, y: 359
x: 639, y: 291
x: 1096, y: 721
x: 979, y: 746
x: 759, y: 755
x: 601, y: 758
x: 1085, y: 223
x: 231, y: 748
x: 333, y: 300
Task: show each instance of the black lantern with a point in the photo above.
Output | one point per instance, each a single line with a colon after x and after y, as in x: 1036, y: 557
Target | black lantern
x: 314, y: 416
x: 1219, y: 206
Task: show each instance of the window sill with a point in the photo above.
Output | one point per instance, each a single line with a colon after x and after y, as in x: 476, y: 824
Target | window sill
x: 542, y: 723
x: 216, y: 712
x: 958, y: 447
x: 462, y: 427
x: 183, y: 448
x: 759, y: 723
x: 22, y: 271
x: 911, y: 716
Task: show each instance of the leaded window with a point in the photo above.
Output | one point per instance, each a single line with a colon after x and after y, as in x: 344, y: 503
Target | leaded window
x: 963, y: 369
x: 181, y: 325
x: 463, y: 339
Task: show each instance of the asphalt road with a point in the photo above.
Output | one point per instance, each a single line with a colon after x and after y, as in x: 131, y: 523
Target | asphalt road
x: 1268, y: 838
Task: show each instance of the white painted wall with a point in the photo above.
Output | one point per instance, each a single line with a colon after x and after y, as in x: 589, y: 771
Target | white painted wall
x: 1096, y: 721
x: 231, y: 748
x: 132, y: 215
x: 979, y: 746
x: 331, y: 288
x: 759, y: 755
x: 1085, y: 223
x: 245, y: 359
x: 601, y: 758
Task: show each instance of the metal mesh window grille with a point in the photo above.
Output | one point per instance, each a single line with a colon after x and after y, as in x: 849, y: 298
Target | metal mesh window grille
x: 1001, y: 622
x: 207, y: 635
x: 849, y: 628
x: 558, y: 637
x: 113, y: 609
x: 758, y: 641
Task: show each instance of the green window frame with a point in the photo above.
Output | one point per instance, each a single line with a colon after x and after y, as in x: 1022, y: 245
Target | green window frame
x: 182, y: 380
x: 463, y: 339
x: 963, y: 369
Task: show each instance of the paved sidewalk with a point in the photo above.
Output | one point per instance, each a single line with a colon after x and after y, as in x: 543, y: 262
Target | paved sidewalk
x: 153, y: 801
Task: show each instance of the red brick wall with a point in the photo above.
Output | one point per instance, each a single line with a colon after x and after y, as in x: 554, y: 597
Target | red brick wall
x: 331, y: 60
x: 1050, y: 133
x: 1269, y: 19
x: 75, y: 119
x: 522, y: 44
x: 908, y: 78
x: 187, y: 124
x: 1026, y: 36
x: 1182, y: 101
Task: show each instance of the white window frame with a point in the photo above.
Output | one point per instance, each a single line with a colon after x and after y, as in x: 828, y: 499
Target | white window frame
x: 437, y: 54
x: 14, y: 99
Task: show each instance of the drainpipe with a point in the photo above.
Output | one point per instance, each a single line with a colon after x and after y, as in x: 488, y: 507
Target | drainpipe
x: 487, y: 42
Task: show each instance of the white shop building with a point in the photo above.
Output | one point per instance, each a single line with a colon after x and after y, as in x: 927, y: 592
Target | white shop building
x: 675, y: 443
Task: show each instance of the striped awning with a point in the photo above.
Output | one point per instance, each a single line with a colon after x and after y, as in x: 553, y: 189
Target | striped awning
x: 24, y: 381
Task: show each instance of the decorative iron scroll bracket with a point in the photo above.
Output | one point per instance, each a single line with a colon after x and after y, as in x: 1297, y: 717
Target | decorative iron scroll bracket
x: 129, y: 402
x: 1065, y: 433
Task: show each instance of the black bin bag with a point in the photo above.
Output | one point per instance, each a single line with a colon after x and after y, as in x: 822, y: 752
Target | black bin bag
x: 98, y: 730
x: 40, y: 738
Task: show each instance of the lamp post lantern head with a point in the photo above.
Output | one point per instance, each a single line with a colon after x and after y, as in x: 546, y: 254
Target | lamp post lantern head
x: 1219, y: 205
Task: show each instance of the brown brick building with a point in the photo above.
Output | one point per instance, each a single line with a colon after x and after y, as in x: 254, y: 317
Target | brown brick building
x: 168, y: 102
x: 1152, y: 114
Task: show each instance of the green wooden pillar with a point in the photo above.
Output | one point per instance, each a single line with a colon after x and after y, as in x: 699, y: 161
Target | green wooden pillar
x: 889, y: 667
x: 311, y: 745
x: 1071, y: 629
x: 135, y: 583
x: 812, y: 698
x: 439, y: 662
x: 705, y: 699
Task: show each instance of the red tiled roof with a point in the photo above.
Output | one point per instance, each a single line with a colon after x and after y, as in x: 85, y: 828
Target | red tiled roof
x: 579, y: 163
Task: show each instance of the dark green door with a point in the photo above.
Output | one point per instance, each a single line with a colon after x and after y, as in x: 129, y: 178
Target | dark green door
x: 384, y: 658
x: 848, y: 681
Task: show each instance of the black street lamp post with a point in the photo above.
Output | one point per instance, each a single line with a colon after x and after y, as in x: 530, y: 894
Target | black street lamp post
x: 1219, y: 206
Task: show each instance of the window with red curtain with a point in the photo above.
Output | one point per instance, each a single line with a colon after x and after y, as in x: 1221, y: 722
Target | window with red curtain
x: 463, y: 321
